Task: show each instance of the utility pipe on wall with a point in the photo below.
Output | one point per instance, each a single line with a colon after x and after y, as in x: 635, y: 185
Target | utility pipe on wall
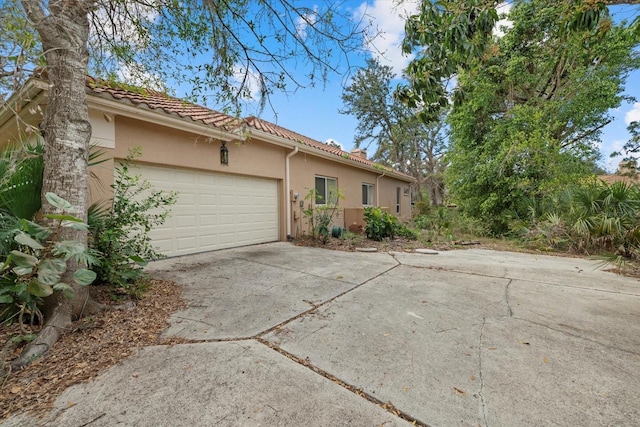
x: 287, y: 185
x: 378, y: 188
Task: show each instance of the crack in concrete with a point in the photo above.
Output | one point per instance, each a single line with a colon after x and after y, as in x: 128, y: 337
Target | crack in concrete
x: 387, y: 406
x: 610, y: 347
x: 481, y: 375
x: 506, y: 297
x: 440, y: 268
x: 312, y: 310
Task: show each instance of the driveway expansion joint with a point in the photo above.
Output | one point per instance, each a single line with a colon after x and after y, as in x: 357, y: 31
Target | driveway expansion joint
x: 315, y: 306
x: 387, y: 406
x: 483, y: 404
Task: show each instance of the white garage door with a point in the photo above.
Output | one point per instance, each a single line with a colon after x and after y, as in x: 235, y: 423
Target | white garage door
x: 213, y: 211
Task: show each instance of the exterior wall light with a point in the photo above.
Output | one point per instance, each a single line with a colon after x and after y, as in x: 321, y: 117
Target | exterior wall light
x: 224, y: 154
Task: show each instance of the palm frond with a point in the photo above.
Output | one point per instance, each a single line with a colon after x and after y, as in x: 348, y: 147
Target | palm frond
x: 21, y: 168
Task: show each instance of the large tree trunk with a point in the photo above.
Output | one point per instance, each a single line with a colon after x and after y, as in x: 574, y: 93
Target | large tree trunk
x: 64, y: 31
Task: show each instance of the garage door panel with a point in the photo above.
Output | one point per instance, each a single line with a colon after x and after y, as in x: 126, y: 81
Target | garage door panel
x: 185, y: 244
x: 208, y: 219
x: 208, y: 200
x: 185, y: 198
x: 213, y: 211
x: 184, y: 221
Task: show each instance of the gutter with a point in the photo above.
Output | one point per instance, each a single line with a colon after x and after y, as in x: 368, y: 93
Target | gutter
x: 287, y: 186
x: 285, y: 142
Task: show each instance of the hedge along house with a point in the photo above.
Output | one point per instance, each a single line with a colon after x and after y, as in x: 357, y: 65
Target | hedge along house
x: 240, y: 182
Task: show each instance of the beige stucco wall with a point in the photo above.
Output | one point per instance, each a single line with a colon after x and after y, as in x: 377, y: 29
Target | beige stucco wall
x: 167, y: 146
x: 163, y: 145
x: 305, y: 167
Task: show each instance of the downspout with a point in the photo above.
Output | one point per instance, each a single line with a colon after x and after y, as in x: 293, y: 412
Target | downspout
x: 287, y: 186
x: 378, y: 188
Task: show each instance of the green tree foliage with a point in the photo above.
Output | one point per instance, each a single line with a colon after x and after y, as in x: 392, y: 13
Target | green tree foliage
x: 632, y: 147
x: 446, y: 36
x: 18, y: 43
x: 402, y: 140
x: 532, y: 110
x: 224, y: 51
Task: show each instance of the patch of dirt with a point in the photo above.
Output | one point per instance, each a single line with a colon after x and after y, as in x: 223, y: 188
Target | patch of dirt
x: 89, y: 347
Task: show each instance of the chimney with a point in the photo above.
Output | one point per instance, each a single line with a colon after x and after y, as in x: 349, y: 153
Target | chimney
x: 359, y: 152
x: 627, y: 168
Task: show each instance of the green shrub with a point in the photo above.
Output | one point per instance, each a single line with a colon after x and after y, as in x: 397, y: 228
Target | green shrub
x: 34, y: 270
x: 120, y: 232
x: 448, y: 224
x: 320, y: 217
x: 422, y: 207
x: 379, y: 224
x: 21, y: 168
x: 405, y: 232
x: 591, y: 216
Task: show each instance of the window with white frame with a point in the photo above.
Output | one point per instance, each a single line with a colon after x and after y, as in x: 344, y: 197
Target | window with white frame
x: 367, y: 194
x: 326, y: 190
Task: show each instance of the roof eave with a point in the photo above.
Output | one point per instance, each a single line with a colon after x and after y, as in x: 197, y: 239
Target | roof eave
x: 31, y: 92
x: 157, y: 116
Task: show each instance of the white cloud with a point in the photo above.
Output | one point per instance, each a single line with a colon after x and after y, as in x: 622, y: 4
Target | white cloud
x: 503, y: 10
x: 117, y: 24
x: 304, y: 21
x: 633, y: 115
x: 386, y: 30
x: 247, y: 83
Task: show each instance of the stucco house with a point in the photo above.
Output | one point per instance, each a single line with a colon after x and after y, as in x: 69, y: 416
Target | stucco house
x: 257, y: 196
x: 627, y: 172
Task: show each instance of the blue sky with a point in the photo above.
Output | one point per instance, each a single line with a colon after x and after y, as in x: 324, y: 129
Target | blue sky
x: 314, y: 111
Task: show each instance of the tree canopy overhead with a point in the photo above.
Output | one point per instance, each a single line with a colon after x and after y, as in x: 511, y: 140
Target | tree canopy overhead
x: 448, y: 35
x: 220, y: 51
x: 530, y: 110
x: 400, y: 138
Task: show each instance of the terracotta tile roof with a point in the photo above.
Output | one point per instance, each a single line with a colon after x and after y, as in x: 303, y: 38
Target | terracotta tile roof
x: 273, y: 129
x: 160, y: 101
x: 629, y: 179
x: 154, y: 100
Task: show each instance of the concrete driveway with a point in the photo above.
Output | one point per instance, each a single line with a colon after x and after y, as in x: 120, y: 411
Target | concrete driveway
x: 292, y: 336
